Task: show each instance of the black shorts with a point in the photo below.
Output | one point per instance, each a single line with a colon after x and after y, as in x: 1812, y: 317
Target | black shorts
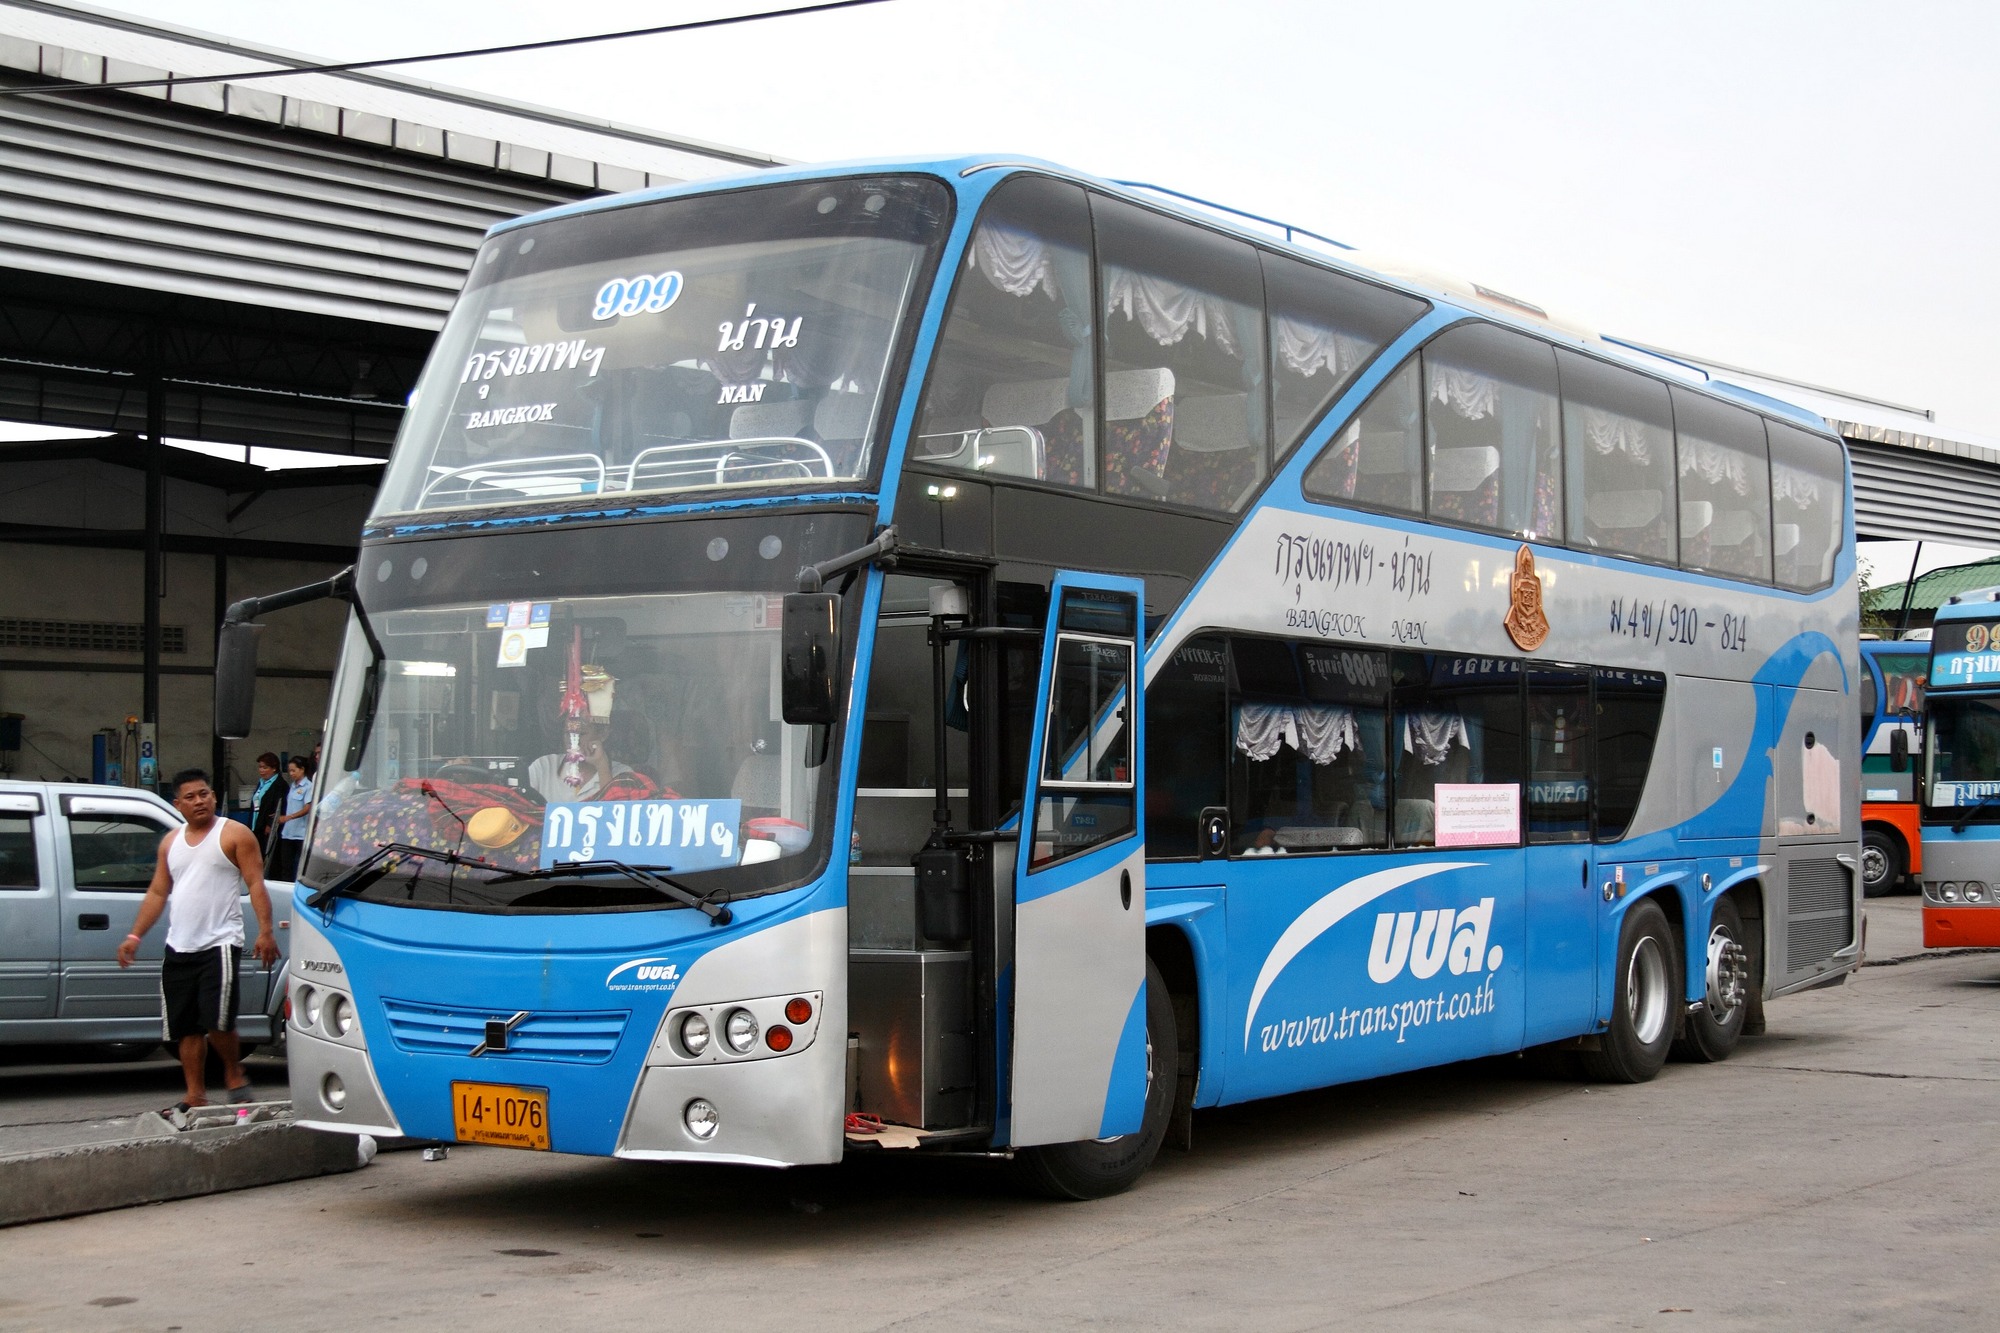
x: 198, y: 991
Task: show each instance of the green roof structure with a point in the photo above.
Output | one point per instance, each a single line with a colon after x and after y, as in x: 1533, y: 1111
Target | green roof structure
x: 1933, y: 589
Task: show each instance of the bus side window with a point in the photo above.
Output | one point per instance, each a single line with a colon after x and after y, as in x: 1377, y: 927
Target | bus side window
x: 1628, y: 722
x: 1807, y: 474
x: 1490, y: 420
x: 1325, y: 327
x: 1457, y: 720
x: 1185, y: 413
x: 1012, y: 389
x: 1559, y: 754
x: 1618, y: 429
x: 1377, y: 458
x: 1725, y: 487
x: 1308, y: 734
x: 1866, y: 680
x: 1187, y: 745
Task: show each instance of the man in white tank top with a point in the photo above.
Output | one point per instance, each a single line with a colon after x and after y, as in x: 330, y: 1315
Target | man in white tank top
x: 198, y: 879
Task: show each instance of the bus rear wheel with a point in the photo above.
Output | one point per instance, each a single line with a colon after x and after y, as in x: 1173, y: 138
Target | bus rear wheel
x: 1710, y: 1031
x: 1645, y: 1003
x: 1881, y: 864
x: 1099, y: 1168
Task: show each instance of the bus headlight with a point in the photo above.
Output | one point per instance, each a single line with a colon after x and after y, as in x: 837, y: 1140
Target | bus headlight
x: 1975, y: 891
x: 339, y: 1011
x: 701, y: 1120
x: 333, y: 1092
x: 1948, y: 891
x: 307, y: 1006
x: 740, y: 1030
x: 694, y: 1034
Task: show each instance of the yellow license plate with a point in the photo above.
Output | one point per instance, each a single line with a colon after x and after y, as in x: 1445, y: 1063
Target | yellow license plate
x: 500, y: 1113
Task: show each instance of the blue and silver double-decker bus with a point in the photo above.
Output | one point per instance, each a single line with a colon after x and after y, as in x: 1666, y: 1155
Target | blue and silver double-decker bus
x: 970, y: 656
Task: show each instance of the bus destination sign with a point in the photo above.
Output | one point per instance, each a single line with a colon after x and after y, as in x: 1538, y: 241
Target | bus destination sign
x: 1965, y: 652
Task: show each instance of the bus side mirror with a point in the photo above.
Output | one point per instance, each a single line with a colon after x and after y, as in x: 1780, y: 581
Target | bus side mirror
x: 1899, y: 751
x: 811, y: 652
x: 235, y: 679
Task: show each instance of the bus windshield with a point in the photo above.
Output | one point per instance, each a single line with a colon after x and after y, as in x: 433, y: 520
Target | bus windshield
x: 734, y: 339
x: 1964, y: 756
x: 632, y: 729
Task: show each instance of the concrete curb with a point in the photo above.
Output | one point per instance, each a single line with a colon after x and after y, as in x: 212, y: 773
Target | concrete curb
x: 63, y: 1182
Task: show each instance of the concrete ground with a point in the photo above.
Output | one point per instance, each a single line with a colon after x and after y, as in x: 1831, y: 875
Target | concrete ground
x: 1831, y: 1174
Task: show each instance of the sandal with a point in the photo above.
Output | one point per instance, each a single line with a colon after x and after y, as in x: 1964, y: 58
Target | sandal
x: 242, y: 1096
x: 177, y: 1114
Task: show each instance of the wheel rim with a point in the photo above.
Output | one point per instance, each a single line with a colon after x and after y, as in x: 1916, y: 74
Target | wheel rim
x: 1646, y: 990
x: 1149, y: 1086
x: 1874, y: 866
x: 1728, y: 974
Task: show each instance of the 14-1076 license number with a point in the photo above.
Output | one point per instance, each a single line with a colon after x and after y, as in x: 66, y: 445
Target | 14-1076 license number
x: 502, y: 1114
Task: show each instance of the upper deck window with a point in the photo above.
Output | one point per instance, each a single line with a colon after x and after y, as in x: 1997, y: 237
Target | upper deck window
x: 1185, y: 414
x: 1325, y: 327
x: 1725, y: 487
x: 1807, y: 475
x: 1620, y: 429
x: 1495, y: 440
x: 1012, y: 390
x: 734, y: 339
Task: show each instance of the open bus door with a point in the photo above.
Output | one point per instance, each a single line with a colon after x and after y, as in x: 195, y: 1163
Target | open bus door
x: 1079, y: 1059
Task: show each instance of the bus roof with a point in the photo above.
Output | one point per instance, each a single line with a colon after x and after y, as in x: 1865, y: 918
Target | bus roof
x: 1502, y: 310
x: 1974, y: 605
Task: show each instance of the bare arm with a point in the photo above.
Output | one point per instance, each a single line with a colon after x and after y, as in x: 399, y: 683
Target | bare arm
x: 241, y: 847
x: 150, y: 907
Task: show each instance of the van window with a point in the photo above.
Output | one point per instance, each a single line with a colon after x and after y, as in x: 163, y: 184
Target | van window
x: 1325, y: 327
x: 1618, y: 431
x: 1377, y: 459
x: 1012, y: 389
x: 1808, y: 475
x: 1491, y: 426
x: 19, y: 866
x: 1185, y: 415
x: 1725, y: 487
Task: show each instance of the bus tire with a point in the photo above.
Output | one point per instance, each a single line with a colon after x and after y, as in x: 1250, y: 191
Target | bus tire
x: 1645, y: 1000
x: 1881, y: 864
x: 1710, y: 1032
x: 1097, y: 1169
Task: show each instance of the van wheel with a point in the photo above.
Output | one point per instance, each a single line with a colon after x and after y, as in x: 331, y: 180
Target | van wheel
x: 1644, y: 1003
x: 1100, y: 1168
x: 1881, y: 864
x: 1710, y: 1032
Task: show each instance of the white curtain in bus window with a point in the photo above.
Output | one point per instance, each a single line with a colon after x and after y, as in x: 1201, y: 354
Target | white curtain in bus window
x: 1618, y: 428
x: 1185, y: 415
x: 1457, y: 721
x: 1377, y: 459
x: 1492, y: 431
x: 1725, y: 487
x: 1325, y: 327
x: 1012, y: 389
x: 1807, y: 506
x: 1308, y: 736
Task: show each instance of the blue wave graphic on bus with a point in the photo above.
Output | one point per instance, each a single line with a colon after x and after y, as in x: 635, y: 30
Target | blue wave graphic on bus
x: 1329, y: 912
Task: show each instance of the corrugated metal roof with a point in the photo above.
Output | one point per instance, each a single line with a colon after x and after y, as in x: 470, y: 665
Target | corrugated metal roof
x: 1934, y: 589
x: 1906, y: 494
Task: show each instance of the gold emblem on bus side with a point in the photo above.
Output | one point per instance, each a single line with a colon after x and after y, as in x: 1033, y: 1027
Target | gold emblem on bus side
x: 1527, y: 624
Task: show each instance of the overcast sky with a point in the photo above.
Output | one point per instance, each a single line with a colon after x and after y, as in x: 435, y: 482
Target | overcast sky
x: 1808, y: 188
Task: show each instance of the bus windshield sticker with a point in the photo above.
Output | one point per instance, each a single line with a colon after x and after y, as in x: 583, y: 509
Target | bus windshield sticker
x: 679, y: 836
x: 1478, y: 814
x: 646, y: 294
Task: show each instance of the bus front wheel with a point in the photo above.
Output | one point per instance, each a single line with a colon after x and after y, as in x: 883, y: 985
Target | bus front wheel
x: 1645, y: 1004
x: 1100, y: 1168
x: 1881, y: 864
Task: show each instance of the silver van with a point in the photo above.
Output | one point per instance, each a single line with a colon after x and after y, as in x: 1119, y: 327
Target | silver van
x: 75, y: 861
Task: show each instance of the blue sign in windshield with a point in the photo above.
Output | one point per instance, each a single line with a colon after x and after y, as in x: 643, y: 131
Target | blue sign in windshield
x: 667, y: 835
x: 1965, y: 652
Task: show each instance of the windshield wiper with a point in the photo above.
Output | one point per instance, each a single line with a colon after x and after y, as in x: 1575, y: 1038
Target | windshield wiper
x: 1978, y: 805
x: 362, y: 877
x: 680, y: 893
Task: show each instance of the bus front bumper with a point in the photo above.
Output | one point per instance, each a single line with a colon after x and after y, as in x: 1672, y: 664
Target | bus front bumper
x: 1961, y: 927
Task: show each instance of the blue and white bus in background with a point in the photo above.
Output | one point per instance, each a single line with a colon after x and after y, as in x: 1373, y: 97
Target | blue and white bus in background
x: 1892, y: 676
x: 976, y: 648
x: 1960, y: 804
